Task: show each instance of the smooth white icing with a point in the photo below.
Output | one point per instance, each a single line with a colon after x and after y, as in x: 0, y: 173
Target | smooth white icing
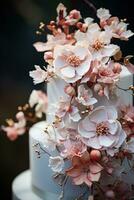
x: 41, y: 173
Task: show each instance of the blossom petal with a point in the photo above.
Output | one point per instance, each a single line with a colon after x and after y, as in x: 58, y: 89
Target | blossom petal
x: 113, y: 127
x: 94, y: 177
x: 68, y: 72
x: 93, y: 142
x: 81, y: 52
x: 59, y: 62
x: 84, y: 67
x: 106, y: 140
x: 98, y: 115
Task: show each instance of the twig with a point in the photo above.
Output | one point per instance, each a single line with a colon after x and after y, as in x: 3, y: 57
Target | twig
x: 91, y: 5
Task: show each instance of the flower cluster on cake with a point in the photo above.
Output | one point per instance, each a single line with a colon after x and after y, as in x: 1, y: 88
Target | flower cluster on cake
x: 90, y: 128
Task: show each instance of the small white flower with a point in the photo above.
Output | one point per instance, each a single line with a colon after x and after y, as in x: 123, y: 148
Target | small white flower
x: 103, y: 14
x: 71, y: 62
x: 40, y: 101
x: 56, y: 163
x: 39, y: 75
x: 85, y: 96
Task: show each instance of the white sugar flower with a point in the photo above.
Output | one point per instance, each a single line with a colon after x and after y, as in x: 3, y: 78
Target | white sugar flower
x: 101, y: 129
x: 99, y: 43
x: 85, y: 96
x: 103, y: 14
x: 40, y: 101
x: 39, y: 75
x: 71, y: 62
x: 56, y: 163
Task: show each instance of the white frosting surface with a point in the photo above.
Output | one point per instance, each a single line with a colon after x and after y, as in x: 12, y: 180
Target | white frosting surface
x: 41, y: 173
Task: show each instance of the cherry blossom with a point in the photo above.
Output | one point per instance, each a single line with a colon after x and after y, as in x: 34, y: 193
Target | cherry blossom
x: 85, y: 96
x: 56, y: 163
x: 103, y: 14
x: 71, y: 62
x: 101, y: 129
x: 66, y: 111
x: 40, y: 101
x: 17, y: 128
x: 52, y: 42
x: 39, y: 75
x: 73, y: 147
x: 99, y: 43
x: 83, y: 170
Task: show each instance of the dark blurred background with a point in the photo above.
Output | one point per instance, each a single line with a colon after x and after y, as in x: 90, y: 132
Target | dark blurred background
x: 19, y: 20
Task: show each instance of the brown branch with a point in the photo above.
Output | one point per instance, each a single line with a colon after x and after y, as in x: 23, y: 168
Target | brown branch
x: 91, y: 5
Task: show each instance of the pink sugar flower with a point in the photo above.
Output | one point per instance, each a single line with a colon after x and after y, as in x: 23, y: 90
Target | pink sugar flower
x: 85, y: 96
x: 39, y: 75
x: 17, y: 128
x: 107, y: 74
x: 73, y: 147
x: 83, y: 170
x: 40, y: 101
x: 101, y: 129
x: 71, y: 62
x: 65, y: 111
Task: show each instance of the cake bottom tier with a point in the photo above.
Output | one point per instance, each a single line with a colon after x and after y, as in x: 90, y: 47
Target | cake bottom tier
x: 22, y: 189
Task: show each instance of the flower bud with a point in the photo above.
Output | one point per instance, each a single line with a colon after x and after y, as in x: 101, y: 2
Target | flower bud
x: 97, y: 87
x: 69, y: 90
x: 117, y: 68
x: 95, y: 155
x: 48, y: 55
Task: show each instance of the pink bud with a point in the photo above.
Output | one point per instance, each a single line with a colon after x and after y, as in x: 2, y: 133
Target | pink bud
x: 97, y: 87
x: 101, y: 93
x: 117, y: 68
x: 48, y: 55
x: 69, y: 90
x: 95, y: 155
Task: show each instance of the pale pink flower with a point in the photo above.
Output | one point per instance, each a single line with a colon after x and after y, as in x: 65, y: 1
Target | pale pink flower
x: 39, y: 75
x: 66, y: 111
x: 101, y: 129
x: 83, y: 170
x: 85, y: 96
x: 40, y: 101
x: 107, y: 74
x: 103, y: 14
x: 71, y: 62
x: 18, y: 128
x: 52, y: 42
x: 127, y: 117
x: 56, y: 163
x: 11, y: 132
x: 118, y: 29
x: 99, y: 43
x: 73, y: 147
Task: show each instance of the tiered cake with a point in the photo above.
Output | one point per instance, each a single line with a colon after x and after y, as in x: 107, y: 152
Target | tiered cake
x: 84, y: 150
x: 42, y: 182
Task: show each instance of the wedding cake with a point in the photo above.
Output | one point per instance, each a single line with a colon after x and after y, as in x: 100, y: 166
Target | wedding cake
x: 84, y: 150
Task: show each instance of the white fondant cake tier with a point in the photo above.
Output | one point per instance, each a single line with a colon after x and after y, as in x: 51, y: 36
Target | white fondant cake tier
x: 42, y: 174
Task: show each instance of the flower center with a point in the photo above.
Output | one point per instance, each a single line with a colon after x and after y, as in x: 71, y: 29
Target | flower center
x: 102, y: 129
x: 98, y: 45
x: 73, y: 60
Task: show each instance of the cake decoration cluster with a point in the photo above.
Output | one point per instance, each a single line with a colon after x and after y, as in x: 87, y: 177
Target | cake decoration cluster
x: 95, y: 139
